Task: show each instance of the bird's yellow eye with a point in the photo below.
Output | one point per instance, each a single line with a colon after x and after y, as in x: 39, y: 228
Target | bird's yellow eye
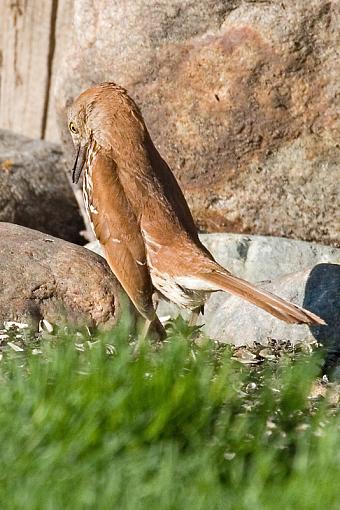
x: 73, y: 128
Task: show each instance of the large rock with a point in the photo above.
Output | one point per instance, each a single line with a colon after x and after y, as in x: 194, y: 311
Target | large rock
x: 258, y: 258
x: 34, y: 190
x: 42, y: 277
x: 307, y: 274
x: 238, y: 96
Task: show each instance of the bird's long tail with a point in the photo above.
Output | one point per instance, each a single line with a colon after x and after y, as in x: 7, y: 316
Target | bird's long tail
x: 280, y: 308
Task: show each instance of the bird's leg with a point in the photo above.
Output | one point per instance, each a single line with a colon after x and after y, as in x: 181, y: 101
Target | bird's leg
x: 194, y: 317
x: 144, y: 332
x: 155, y: 299
x: 153, y: 328
x: 141, y: 335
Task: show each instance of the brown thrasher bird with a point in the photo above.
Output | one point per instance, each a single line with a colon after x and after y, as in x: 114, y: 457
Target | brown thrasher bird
x: 140, y: 216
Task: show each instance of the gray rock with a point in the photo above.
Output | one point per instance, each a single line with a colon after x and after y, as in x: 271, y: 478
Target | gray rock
x: 305, y: 273
x: 42, y: 277
x: 238, y: 96
x: 34, y: 189
x: 258, y: 258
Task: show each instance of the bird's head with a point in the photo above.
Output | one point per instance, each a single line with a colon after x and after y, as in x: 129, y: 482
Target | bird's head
x: 106, y: 115
x: 81, y: 136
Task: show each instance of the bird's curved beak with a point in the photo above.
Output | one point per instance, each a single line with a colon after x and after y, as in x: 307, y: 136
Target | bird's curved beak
x: 79, y: 163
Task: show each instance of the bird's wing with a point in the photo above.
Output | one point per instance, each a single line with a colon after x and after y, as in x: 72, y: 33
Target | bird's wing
x: 153, y: 192
x: 118, y: 232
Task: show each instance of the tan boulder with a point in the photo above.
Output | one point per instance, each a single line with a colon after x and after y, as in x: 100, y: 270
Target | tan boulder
x: 42, y: 277
x: 239, y: 98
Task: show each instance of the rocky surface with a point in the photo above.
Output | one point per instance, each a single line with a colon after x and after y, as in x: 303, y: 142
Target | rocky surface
x: 42, y: 277
x: 305, y: 273
x: 258, y: 258
x: 34, y: 189
x: 239, y: 97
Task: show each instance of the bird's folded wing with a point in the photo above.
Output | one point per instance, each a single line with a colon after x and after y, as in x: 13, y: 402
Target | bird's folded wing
x: 116, y: 227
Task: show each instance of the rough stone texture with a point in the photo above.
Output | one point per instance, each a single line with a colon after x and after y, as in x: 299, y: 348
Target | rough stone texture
x: 305, y: 273
x: 258, y: 258
x: 34, y: 189
x: 239, y: 96
x: 45, y: 277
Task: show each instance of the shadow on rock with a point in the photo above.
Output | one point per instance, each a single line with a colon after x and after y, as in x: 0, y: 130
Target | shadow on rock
x: 322, y: 296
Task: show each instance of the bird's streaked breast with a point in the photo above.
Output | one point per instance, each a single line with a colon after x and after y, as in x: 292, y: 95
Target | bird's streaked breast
x: 88, y: 182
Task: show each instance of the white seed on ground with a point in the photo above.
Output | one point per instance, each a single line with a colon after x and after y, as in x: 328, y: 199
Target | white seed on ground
x: 229, y: 455
x: 302, y: 427
x: 165, y: 318
x: 44, y: 325
x: 14, y: 324
x: 251, y: 387
x: 271, y: 425
x: 110, y: 349
x: 267, y: 354
x: 15, y: 347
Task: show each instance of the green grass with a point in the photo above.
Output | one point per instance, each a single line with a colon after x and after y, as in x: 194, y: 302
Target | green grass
x: 183, y: 427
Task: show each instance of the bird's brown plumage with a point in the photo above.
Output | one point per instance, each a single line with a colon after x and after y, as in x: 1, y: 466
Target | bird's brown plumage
x: 140, y: 216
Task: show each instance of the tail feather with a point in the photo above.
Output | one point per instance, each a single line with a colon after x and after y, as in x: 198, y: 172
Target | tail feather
x: 275, y: 305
